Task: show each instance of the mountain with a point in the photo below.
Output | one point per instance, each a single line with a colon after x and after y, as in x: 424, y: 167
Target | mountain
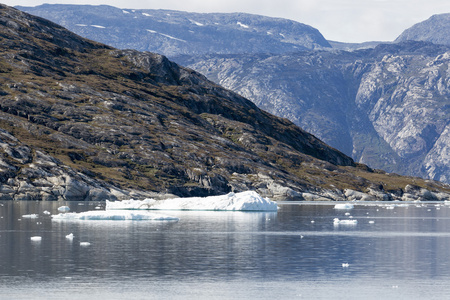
x: 175, y: 32
x: 386, y: 107
x: 82, y: 120
x: 434, y: 30
x: 303, y: 85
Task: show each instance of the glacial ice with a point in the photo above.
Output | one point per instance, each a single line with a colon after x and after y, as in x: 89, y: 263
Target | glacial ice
x: 36, y: 238
x: 31, y: 216
x: 336, y: 221
x: 120, y: 215
x: 243, y: 201
x: 63, y: 209
x: 343, y: 206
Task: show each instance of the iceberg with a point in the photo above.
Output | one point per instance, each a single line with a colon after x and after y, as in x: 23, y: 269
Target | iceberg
x: 36, y: 238
x: 344, y: 206
x: 244, y: 201
x: 31, y: 216
x: 119, y: 215
x: 336, y: 221
x: 63, y: 209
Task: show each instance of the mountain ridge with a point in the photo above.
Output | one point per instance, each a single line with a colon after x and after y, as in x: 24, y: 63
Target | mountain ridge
x: 173, y: 33
x: 434, y: 30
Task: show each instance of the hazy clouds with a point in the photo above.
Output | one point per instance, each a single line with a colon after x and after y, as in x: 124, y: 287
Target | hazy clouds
x: 339, y: 20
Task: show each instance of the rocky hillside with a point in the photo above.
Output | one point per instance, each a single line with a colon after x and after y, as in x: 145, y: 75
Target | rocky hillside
x: 387, y: 107
x: 176, y: 32
x: 434, y: 30
x: 81, y: 120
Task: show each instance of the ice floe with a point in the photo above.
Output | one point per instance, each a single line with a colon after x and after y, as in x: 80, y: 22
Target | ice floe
x: 36, y: 238
x: 119, y: 215
x: 63, y: 209
x: 344, y: 206
x: 336, y: 221
x: 244, y: 201
x: 31, y: 216
x: 69, y: 236
x: 85, y: 244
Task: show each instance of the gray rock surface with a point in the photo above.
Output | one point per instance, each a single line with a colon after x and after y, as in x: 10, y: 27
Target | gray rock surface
x: 435, y: 30
x: 386, y: 107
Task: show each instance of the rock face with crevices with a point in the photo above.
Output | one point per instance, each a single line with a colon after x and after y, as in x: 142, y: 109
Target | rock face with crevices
x: 386, y: 107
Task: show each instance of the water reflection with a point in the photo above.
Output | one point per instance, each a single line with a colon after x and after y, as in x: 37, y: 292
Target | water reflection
x: 296, y: 244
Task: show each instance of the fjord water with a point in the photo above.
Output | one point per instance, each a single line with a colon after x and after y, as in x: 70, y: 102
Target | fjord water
x: 393, y: 252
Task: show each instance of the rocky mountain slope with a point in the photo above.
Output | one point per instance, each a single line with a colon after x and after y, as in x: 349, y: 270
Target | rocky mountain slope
x: 81, y: 120
x: 175, y: 32
x: 303, y: 86
x: 434, y: 30
x: 387, y: 107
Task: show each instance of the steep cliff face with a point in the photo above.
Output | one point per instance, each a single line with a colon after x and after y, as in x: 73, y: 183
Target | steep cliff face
x: 386, y: 107
x: 175, y: 32
x: 435, y: 30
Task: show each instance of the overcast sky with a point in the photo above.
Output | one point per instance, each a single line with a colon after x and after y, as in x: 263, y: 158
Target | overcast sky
x: 337, y: 20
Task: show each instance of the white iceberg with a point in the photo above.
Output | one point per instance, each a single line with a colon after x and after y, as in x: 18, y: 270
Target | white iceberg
x: 336, y: 221
x: 85, y: 244
x: 69, y: 236
x: 244, y: 201
x: 36, y: 238
x: 118, y: 215
x: 31, y: 216
x: 344, y: 206
x: 63, y: 209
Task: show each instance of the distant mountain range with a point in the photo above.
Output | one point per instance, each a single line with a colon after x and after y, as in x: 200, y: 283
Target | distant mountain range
x: 175, y: 32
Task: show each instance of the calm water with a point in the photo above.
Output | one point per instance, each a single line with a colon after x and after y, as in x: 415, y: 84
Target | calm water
x: 296, y: 253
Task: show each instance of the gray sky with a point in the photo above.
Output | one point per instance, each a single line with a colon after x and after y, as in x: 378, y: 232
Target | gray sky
x: 338, y: 20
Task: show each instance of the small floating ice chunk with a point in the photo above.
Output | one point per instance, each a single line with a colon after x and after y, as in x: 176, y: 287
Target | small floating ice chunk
x: 85, y: 244
x: 343, y: 206
x: 36, y: 238
x: 244, y: 201
x: 345, y: 265
x: 371, y: 222
x: 63, y: 209
x: 46, y: 212
x: 336, y: 221
x: 31, y: 216
x: 69, y: 236
x: 347, y: 214
x: 116, y: 215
